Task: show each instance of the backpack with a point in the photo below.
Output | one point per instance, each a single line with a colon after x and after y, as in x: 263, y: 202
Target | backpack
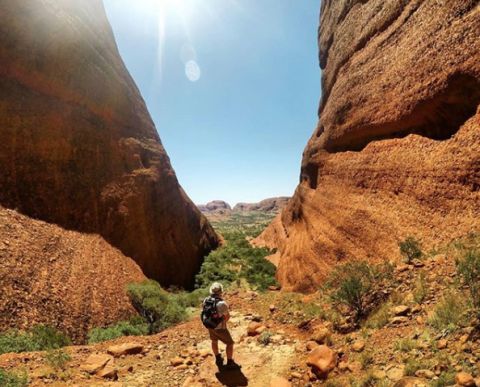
x: 209, y: 315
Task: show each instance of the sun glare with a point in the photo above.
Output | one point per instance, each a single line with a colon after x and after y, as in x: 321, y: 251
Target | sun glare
x: 168, y: 12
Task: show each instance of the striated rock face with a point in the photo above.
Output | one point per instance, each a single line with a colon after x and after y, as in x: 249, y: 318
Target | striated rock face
x: 79, y: 148
x: 266, y: 205
x: 60, y: 278
x: 397, y: 147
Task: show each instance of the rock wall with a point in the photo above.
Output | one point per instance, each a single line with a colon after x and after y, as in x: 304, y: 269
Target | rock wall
x: 266, y: 205
x: 397, y: 148
x: 79, y: 148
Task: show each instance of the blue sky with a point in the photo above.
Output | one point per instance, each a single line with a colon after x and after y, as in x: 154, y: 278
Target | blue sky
x: 232, y: 85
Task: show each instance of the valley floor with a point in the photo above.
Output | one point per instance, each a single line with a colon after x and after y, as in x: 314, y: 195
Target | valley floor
x: 391, y: 345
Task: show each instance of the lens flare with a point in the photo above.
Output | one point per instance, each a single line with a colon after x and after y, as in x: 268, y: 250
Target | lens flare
x: 192, y: 71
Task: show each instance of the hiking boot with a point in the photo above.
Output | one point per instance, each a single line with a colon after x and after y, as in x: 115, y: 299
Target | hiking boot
x: 219, y: 360
x: 231, y: 365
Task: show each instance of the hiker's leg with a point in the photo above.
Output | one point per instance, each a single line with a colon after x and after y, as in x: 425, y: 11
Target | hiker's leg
x: 230, y: 351
x: 215, y: 347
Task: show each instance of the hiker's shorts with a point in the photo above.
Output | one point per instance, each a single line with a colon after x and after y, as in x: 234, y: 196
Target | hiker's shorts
x: 221, y: 334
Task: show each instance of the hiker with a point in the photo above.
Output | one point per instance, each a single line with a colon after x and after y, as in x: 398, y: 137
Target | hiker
x: 215, y: 315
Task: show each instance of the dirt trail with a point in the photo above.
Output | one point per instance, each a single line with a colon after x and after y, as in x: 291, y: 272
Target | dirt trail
x: 259, y: 362
x: 189, y: 341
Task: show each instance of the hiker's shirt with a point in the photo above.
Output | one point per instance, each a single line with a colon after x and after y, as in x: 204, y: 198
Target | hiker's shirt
x: 222, y: 310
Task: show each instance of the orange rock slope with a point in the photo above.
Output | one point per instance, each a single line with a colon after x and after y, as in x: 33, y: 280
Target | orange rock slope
x: 79, y: 148
x: 65, y: 279
x: 397, y: 148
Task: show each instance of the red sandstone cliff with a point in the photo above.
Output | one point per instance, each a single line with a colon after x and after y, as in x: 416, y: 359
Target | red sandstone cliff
x: 397, y: 147
x: 79, y: 148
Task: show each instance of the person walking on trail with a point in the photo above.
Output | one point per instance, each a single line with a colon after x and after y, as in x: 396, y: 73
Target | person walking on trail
x: 215, y: 315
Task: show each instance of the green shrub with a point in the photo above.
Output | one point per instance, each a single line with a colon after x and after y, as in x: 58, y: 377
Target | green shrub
x: 11, y: 379
x: 47, y: 337
x: 355, y: 285
x: 265, y: 337
x: 410, y: 249
x: 159, y: 308
x: 57, y: 359
x: 38, y: 338
x: 447, y: 313
x: 469, y: 270
x: 133, y: 327
x: 190, y: 299
x: 236, y: 260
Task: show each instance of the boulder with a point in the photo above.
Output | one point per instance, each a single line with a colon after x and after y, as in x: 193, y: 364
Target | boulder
x: 109, y: 372
x: 322, y: 360
x: 321, y: 335
x: 125, y: 349
x: 96, y: 362
x: 358, y: 346
x: 176, y: 361
x: 410, y: 382
x: 401, y: 310
x: 442, y: 344
x: 255, y: 328
x: 465, y: 379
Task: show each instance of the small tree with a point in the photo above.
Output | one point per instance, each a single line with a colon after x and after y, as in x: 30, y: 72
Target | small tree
x: 410, y: 248
x: 352, y: 284
x: 469, y: 270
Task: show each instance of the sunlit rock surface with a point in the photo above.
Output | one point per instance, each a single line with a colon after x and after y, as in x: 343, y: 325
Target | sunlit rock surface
x: 79, y: 148
x: 397, y: 148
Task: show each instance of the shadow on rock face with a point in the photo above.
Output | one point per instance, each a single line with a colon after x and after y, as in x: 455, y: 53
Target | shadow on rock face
x: 232, y: 378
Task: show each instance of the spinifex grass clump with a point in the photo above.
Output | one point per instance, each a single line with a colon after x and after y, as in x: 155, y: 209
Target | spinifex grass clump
x: 38, y: 338
x: 469, y: 269
x: 449, y: 314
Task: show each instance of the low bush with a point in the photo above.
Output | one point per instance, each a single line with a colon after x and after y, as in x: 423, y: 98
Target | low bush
x: 190, y: 299
x: 38, y: 338
x: 469, y: 269
x: 12, y: 379
x: 448, y: 313
x: 358, y: 286
x: 134, y: 327
x: 57, y: 359
x: 410, y: 249
x: 159, y: 308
